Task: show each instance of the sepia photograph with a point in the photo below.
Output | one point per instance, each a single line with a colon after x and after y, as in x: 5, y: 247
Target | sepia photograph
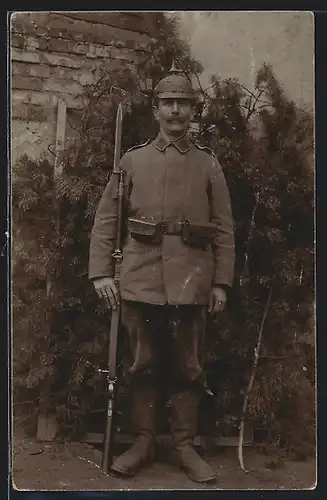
x: 162, y: 170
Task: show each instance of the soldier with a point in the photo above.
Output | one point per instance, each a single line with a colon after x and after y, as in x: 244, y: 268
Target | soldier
x: 178, y: 263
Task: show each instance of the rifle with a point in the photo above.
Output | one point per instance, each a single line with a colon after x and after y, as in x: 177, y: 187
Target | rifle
x: 117, y: 256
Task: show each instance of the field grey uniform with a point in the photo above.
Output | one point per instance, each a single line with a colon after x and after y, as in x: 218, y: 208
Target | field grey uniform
x: 165, y: 283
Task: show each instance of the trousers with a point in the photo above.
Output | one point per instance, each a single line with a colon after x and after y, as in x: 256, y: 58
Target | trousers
x: 166, y: 342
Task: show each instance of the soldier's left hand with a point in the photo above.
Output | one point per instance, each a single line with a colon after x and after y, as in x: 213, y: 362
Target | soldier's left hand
x: 218, y: 298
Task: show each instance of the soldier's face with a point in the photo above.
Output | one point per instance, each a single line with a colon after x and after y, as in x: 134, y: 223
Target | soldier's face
x: 174, y: 115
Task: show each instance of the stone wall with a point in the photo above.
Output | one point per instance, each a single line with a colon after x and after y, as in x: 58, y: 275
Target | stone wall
x: 54, y: 56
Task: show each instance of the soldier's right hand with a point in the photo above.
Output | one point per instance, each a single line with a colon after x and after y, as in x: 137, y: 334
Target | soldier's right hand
x: 107, y: 290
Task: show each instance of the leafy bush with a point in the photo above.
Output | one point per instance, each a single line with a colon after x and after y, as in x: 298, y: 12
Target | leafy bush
x: 264, y: 143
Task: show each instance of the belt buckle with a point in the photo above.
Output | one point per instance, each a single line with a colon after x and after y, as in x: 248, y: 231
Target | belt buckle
x: 171, y: 227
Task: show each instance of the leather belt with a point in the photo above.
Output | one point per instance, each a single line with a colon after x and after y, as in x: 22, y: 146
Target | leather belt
x: 171, y: 227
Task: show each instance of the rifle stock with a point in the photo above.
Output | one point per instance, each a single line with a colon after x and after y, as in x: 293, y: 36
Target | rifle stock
x: 107, y: 455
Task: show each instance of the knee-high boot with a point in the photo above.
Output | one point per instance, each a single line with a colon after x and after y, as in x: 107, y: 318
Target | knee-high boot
x: 184, y: 409
x: 144, y: 398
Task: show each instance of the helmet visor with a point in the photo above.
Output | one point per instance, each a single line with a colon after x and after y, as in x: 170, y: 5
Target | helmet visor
x: 191, y: 96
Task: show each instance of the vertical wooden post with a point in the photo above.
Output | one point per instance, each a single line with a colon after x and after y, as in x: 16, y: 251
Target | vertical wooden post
x: 47, y: 423
x: 58, y: 166
x: 60, y: 136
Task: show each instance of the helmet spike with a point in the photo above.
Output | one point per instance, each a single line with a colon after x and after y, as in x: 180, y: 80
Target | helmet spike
x: 174, y: 69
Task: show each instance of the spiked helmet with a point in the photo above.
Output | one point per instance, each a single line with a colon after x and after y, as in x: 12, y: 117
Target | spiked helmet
x: 175, y: 85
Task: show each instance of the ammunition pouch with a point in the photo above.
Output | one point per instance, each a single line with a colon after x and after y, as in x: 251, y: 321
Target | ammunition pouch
x: 198, y: 235
x: 145, y: 231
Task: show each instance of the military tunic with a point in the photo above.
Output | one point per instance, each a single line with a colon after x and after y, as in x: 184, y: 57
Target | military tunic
x: 167, y: 181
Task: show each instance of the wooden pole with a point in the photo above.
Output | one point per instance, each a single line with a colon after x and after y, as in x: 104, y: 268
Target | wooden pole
x: 60, y: 136
x: 250, y: 384
x: 47, y: 424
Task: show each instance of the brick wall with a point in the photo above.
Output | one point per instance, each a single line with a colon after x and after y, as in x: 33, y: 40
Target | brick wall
x: 55, y: 55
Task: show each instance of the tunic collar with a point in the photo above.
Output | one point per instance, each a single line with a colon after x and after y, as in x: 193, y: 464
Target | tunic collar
x: 183, y: 144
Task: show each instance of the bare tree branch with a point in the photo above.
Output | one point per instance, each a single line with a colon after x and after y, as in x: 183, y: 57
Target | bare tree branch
x: 250, y: 384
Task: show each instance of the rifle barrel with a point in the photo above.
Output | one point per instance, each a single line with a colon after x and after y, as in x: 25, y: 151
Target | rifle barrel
x: 107, y: 454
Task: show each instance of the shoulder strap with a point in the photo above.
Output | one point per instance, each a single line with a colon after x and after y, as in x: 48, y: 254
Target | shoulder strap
x: 137, y: 146
x: 205, y: 148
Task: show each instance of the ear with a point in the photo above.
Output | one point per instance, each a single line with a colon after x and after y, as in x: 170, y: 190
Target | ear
x: 155, y: 112
x: 192, y: 111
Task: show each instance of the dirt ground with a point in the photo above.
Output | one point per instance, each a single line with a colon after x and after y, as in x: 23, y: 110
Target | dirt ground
x: 75, y: 466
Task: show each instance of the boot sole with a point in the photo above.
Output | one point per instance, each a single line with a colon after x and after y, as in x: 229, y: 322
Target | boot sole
x: 145, y: 463
x: 125, y: 473
x: 207, y: 480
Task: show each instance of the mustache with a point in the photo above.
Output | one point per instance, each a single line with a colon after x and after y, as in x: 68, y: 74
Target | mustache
x: 175, y: 119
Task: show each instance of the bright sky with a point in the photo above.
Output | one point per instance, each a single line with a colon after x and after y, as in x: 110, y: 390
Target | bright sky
x: 234, y: 44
